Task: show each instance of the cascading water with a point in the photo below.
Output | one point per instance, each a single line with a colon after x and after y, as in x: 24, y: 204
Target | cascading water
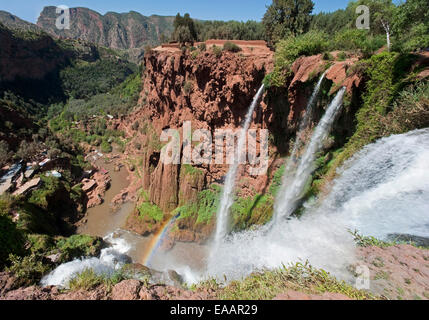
x: 382, y: 190
x: 293, y: 186
x: 228, y: 190
x: 307, y: 116
x: 299, y: 141
x: 303, y: 125
x: 110, y: 260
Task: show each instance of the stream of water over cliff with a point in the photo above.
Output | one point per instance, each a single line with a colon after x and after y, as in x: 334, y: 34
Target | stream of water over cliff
x: 382, y: 190
x: 299, y: 142
x: 227, y: 197
x: 294, y: 182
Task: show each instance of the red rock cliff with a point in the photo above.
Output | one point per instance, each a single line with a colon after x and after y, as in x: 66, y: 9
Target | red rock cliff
x: 215, y: 92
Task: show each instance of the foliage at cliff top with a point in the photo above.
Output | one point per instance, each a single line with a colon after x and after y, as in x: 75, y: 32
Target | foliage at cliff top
x: 287, y: 18
x: 232, y: 30
x: 408, y: 21
x: 184, y: 29
x: 406, y: 25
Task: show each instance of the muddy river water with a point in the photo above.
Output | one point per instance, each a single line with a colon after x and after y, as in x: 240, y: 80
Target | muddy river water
x: 102, y: 221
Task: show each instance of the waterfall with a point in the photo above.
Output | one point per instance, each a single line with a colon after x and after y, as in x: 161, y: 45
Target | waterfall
x: 382, y: 190
x: 292, y: 187
x: 111, y: 259
x: 228, y: 189
x: 291, y: 163
x: 308, y: 114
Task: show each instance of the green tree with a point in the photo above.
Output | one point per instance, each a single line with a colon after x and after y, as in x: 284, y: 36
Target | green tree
x: 184, y: 29
x: 183, y: 35
x: 382, y: 16
x: 410, y: 13
x: 287, y: 17
x: 411, y: 24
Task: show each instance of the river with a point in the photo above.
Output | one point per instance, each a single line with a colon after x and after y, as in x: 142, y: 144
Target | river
x: 102, y: 221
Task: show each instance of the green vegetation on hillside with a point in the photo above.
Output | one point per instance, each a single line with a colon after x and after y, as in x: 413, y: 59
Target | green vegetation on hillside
x: 84, y: 79
x: 231, y: 30
x: 40, y: 249
x: 337, y: 31
x: 204, y: 209
x: 151, y: 212
x: 256, y: 210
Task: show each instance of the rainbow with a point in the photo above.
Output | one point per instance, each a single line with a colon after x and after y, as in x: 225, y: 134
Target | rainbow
x: 157, y: 240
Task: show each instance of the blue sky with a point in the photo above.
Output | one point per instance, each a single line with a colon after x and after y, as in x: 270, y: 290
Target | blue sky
x: 202, y: 9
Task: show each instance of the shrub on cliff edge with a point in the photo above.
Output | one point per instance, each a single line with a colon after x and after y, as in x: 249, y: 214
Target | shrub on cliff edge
x: 289, y: 49
x: 231, y: 47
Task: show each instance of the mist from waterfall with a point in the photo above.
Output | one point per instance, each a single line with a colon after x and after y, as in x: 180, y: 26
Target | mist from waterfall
x: 382, y: 190
x: 288, y: 198
x: 293, y: 184
x: 227, y: 197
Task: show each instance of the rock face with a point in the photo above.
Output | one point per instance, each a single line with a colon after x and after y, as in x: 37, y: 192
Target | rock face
x: 115, y: 30
x: 215, y: 92
x: 125, y: 290
x: 212, y: 93
x: 96, y: 188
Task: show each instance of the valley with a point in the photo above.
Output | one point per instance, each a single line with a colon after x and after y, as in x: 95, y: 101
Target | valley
x: 174, y: 158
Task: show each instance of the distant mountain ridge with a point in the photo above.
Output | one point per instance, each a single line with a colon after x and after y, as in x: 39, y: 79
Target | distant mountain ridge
x: 13, y: 22
x: 129, y: 30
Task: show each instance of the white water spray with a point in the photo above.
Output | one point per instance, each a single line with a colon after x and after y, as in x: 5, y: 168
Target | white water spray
x: 293, y: 186
x: 383, y: 189
x: 110, y: 260
x: 299, y: 141
x: 227, y: 198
